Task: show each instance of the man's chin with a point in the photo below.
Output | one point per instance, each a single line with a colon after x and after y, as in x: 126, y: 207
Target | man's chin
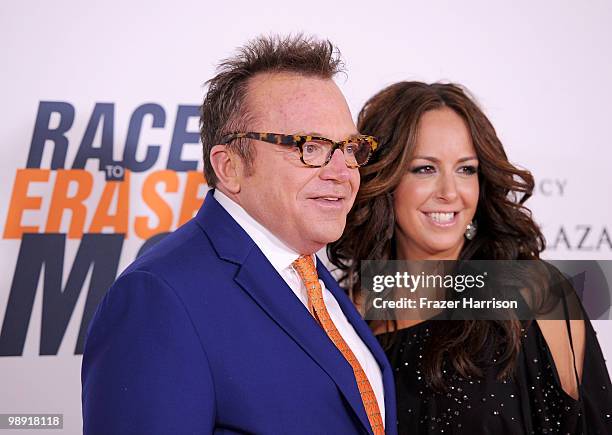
x: 330, y: 236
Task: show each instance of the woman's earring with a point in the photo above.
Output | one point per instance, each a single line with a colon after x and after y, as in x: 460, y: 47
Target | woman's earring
x: 470, y: 230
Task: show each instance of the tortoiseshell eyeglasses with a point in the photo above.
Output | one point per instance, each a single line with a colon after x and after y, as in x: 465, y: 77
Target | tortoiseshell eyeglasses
x: 316, y: 151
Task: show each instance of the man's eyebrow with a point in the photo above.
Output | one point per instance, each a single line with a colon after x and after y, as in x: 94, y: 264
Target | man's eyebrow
x: 315, y: 133
x: 309, y: 133
x: 436, y: 160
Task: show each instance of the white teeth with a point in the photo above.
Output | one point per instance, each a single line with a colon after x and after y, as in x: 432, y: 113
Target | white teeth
x: 442, y: 218
x: 331, y: 199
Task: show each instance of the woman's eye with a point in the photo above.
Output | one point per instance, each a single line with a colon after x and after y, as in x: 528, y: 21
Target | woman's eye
x: 426, y: 169
x: 468, y: 170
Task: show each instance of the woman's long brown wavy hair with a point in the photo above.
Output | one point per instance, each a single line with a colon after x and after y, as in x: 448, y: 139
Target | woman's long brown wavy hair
x: 506, y: 230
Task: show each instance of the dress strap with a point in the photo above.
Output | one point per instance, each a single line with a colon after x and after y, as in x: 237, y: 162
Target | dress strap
x: 578, y: 383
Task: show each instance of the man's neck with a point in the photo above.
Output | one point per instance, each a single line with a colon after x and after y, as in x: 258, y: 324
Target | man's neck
x: 233, y: 196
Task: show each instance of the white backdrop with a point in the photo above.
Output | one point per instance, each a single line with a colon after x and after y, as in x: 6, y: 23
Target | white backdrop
x: 540, y: 70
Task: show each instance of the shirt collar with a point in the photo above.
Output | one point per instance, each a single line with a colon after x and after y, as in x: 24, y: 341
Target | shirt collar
x: 276, y: 251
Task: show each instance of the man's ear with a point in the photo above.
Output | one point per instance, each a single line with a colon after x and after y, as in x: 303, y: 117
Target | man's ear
x: 227, y: 167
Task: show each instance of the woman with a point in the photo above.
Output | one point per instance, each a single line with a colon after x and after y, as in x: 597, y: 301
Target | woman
x: 441, y: 187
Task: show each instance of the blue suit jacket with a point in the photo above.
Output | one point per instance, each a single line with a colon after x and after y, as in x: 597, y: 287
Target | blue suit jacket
x: 201, y: 335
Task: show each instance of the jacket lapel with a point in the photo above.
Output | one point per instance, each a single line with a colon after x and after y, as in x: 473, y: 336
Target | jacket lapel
x: 268, y: 289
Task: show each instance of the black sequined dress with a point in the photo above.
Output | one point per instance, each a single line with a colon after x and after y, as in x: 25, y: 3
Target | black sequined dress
x: 532, y: 402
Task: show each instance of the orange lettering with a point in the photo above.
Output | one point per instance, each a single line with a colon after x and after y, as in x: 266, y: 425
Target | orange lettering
x: 156, y: 203
x: 191, y: 201
x: 60, y: 201
x: 118, y: 221
x: 20, y: 201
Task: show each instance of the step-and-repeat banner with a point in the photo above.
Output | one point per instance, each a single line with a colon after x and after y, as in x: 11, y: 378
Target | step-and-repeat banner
x: 100, y: 153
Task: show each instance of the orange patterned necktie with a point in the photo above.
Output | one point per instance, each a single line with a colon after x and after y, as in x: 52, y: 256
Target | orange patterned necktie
x: 306, y: 269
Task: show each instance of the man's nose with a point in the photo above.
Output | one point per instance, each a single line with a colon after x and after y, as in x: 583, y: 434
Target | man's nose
x: 336, y: 168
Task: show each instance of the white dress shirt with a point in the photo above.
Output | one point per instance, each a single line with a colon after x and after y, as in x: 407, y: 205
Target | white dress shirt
x: 281, y: 257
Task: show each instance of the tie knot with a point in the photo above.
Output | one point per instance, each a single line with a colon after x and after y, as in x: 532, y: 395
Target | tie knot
x: 305, y: 267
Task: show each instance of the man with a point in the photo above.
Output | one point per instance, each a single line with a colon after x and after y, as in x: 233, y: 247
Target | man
x: 226, y: 326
